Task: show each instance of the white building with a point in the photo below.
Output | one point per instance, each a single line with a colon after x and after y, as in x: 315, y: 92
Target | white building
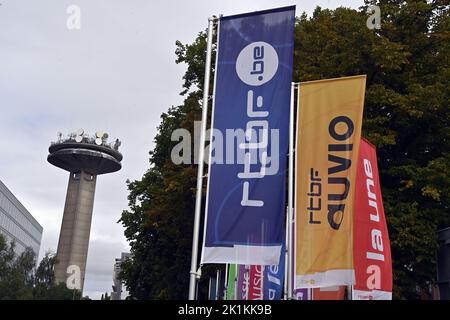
x: 119, y: 290
x: 17, y: 224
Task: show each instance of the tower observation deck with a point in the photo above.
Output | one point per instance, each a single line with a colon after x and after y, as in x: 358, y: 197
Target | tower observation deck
x: 84, y: 157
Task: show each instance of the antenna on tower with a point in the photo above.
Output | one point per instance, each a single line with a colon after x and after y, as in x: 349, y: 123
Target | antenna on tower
x: 79, y: 135
x: 98, y: 138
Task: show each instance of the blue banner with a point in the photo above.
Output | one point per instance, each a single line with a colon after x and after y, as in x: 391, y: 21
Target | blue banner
x: 246, y: 195
x: 274, y: 279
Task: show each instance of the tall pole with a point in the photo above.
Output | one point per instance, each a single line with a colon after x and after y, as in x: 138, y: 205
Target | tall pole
x: 225, y: 283
x: 290, y: 194
x: 217, y: 294
x: 209, y: 287
x: 198, y: 198
x: 236, y: 275
x: 286, y: 257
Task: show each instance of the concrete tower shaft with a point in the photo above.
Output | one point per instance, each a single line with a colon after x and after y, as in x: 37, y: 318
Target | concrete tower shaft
x: 76, y: 227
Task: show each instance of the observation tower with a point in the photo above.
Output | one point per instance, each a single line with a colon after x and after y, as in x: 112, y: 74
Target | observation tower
x: 84, y: 157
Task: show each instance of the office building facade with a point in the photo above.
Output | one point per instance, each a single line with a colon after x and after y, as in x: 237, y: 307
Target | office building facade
x: 17, y: 223
x: 119, y: 290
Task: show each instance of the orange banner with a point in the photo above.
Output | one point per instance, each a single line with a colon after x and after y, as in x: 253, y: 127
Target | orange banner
x: 328, y: 136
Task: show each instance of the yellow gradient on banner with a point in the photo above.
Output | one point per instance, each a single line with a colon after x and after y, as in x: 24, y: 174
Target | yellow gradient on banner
x: 328, y: 134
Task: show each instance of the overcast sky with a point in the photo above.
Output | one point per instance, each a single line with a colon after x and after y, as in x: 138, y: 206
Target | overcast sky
x: 116, y: 74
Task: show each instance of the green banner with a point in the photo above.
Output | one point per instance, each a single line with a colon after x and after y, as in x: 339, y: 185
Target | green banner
x: 232, y: 279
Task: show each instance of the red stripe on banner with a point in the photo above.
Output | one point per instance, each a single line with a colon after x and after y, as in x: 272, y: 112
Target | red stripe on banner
x: 255, y: 286
x: 372, y: 250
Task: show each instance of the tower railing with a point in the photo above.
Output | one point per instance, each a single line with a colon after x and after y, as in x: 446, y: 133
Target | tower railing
x: 86, y: 139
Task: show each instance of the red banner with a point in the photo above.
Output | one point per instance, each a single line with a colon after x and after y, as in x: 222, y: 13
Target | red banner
x: 372, y: 249
x: 329, y: 293
x: 256, y: 280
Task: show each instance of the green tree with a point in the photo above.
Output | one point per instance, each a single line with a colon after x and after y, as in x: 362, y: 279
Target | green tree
x: 21, y: 280
x: 45, y: 288
x: 105, y: 296
x: 406, y: 116
x: 15, y: 272
x: 44, y: 276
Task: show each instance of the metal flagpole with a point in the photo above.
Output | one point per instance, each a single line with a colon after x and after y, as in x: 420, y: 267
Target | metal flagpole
x: 225, y: 285
x: 217, y: 293
x: 236, y: 275
x: 209, y: 288
x: 286, y: 253
x: 290, y: 194
x: 198, y: 198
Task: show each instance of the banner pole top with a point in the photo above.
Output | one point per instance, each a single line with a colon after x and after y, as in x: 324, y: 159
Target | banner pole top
x: 215, y: 18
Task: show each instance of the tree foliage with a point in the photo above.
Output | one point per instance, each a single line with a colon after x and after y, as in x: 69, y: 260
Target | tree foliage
x: 105, y: 297
x: 21, y: 280
x: 406, y: 116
